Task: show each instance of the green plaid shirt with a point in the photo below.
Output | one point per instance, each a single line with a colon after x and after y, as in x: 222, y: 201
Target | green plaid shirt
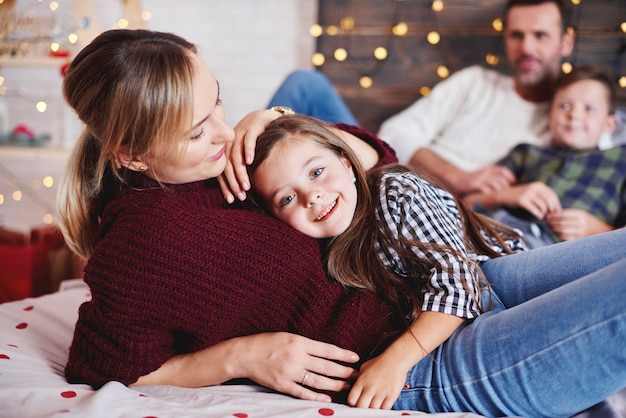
x: 591, y: 180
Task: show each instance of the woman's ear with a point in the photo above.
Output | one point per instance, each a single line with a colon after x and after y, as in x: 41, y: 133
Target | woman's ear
x: 130, y: 162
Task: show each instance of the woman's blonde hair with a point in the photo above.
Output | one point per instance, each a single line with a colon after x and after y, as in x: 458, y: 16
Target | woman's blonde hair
x: 132, y: 89
x: 352, y: 257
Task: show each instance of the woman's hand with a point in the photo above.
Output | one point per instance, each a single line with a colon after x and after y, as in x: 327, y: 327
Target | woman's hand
x: 234, y: 181
x: 278, y: 360
x: 281, y: 361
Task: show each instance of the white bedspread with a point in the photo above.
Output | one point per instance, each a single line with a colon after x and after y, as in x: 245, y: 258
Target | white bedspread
x: 35, y: 335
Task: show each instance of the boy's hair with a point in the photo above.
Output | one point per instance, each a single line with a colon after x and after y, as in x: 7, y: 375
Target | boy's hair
x: 563, y: 9
x: 587, y: 72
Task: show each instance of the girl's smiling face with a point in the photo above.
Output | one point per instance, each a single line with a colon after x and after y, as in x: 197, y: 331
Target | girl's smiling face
x: 309, y: 187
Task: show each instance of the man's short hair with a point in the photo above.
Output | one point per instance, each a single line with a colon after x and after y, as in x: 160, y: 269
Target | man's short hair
x: 560, y: 4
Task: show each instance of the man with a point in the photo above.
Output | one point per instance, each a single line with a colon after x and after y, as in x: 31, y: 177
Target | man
x: 472, y: 119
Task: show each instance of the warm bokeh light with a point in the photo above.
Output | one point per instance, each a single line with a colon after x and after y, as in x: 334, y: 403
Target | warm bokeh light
x: 381, y: 53
x: 443, y: 71
x: 347, y: 23
x: 48, y: 181
x: 316, y: 31
x: 340, y: 54
x: 566, y: 67
x: 437, y: 5
x: 366, y: 82
x: 498, y: 25
x: 41, y: 106
x: 318, y: 59
x: 400, y: 29
x: 332, y: 30
x: 54, y: 6
x: 17, y: 195
x: 146, y: 15
x: 425, y: 90
x: 492, y: 59
x: 433, y: 38
x: 622, y: 82
x: 54, y: 46
x: 122, y: 23
x: 48, y: 218
x: 73, y: 38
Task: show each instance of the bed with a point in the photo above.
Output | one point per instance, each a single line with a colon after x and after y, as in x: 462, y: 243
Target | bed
x: 35, y: 334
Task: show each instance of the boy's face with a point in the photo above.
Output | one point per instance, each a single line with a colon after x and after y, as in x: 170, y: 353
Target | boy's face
x: 579, y: 115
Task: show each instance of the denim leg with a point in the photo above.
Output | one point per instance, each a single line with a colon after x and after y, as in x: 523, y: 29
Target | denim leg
x: 520, y: 277
x: 311, y: 93
x: 553, y: 355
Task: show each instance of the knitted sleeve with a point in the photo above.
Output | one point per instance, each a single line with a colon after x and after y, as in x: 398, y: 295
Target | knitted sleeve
x: 386, y: 154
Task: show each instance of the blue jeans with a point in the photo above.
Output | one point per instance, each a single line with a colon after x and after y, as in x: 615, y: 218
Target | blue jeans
x: 311, y: 93
x: 553, y: 345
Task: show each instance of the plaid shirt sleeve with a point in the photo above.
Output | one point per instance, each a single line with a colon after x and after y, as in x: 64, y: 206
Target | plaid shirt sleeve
x: 416, y: 210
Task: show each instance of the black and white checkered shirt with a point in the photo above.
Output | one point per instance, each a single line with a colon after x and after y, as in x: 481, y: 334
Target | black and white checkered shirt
x: 415, y: 209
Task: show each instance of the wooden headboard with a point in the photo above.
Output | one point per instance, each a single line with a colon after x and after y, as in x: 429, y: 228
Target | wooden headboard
x: 467, y: 36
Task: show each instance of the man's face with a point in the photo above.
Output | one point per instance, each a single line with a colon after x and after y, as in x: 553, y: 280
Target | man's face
x: 535, y: 43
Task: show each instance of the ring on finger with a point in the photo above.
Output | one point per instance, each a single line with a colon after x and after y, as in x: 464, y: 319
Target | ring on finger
x: 305, y: 378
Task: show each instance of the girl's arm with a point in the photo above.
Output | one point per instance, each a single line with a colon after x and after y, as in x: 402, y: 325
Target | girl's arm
x: 382, y: 378
x: 275, y: 360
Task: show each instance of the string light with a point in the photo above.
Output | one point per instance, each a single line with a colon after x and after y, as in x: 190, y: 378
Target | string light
x: 380, y: 53
x: 566, y: 67
x: 340, y: 54
x: 316, y: 31
x: 318, y: 59
x: 366, y: 81
x: 443, y: 71
x: 433, y: 37
x: 400, y: 29
x: 498, y: 25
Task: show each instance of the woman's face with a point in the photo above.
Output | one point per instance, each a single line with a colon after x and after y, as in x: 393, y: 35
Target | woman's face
x: 204, y: 157
x: 309, y: 187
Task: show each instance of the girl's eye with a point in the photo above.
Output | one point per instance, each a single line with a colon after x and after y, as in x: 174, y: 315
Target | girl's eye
x: 566, y: 106
x: 591, y: 109
x: 285, y: 201
x: 197, y: 137
x: 316, y: 173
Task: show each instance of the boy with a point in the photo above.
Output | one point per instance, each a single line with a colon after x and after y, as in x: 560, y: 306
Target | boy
x: 570, y: 189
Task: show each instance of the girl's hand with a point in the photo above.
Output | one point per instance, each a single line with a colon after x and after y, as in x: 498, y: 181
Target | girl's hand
x: 379, y: 383
x: 234, y: 181
x: 281, y: 361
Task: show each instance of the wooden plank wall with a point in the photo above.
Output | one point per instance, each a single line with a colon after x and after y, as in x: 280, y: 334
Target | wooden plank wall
x: 467, y: 36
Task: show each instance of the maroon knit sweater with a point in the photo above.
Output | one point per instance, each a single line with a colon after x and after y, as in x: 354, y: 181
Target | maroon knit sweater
x: 175, y: 271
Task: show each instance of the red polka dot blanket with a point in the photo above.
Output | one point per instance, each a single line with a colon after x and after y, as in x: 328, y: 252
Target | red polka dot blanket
x: 35, y: 335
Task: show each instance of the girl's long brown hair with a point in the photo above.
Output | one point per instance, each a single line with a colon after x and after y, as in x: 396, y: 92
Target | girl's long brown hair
x: 352, y: 255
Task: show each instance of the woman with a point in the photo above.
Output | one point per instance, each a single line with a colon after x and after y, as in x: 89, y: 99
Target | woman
x: 429, y: 257
x: 186, y: 291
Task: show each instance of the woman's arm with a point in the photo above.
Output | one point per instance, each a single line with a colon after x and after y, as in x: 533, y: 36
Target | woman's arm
x: 275, y: 360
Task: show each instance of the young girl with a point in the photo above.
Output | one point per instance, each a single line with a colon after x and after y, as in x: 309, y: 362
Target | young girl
x: 397, y: 234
